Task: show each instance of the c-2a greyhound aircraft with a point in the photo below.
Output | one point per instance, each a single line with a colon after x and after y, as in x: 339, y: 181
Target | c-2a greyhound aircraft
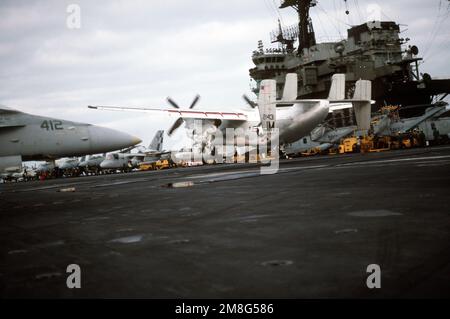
x: 126, y: 160
x: 291, y: 117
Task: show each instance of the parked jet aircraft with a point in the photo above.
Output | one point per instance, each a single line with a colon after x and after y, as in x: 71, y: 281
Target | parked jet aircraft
x: 125, y: 160
x: 155, y: 150
x: 69, y: 163
x: 29, y: 137
x: 388, y: 125
x: 24, y: 174
x: 117, y: 161
x: 92, y: 162
x: 321, y: 138
x: 324, y: 137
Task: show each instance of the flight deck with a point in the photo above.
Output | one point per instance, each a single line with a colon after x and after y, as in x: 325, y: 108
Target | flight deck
x: 226, y: 231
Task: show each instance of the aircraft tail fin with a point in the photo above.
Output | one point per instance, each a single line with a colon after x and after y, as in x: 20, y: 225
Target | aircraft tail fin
x: 362, y: 104
x: 363, y: 90
x: 290, y: 87
x: 267, y: 104
x: 337, y: 90
x: 157, y: 141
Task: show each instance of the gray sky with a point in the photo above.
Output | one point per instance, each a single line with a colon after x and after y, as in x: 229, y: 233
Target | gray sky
x: 137, y: 52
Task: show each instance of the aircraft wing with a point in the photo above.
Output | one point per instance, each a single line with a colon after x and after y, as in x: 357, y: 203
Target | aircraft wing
x: 187, y: 113
x: 9, y: 121
x: 7, y: 110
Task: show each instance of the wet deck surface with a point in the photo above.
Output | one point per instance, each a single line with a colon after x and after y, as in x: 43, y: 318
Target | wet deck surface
x: 309, y: 231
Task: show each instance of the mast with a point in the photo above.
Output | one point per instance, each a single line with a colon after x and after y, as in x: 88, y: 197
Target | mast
x: 306, y: 36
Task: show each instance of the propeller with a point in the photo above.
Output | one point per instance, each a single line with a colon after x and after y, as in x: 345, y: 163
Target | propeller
x: 194, y: 102
x: 175, y: 125
x: 249, y: 102
x: 172, y: 102
x: 180, y: 120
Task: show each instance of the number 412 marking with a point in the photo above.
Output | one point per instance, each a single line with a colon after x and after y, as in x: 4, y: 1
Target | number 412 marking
x: 52, y: 125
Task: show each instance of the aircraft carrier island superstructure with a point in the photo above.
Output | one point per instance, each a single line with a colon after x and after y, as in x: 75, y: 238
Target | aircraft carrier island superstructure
x: 372, y: 51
